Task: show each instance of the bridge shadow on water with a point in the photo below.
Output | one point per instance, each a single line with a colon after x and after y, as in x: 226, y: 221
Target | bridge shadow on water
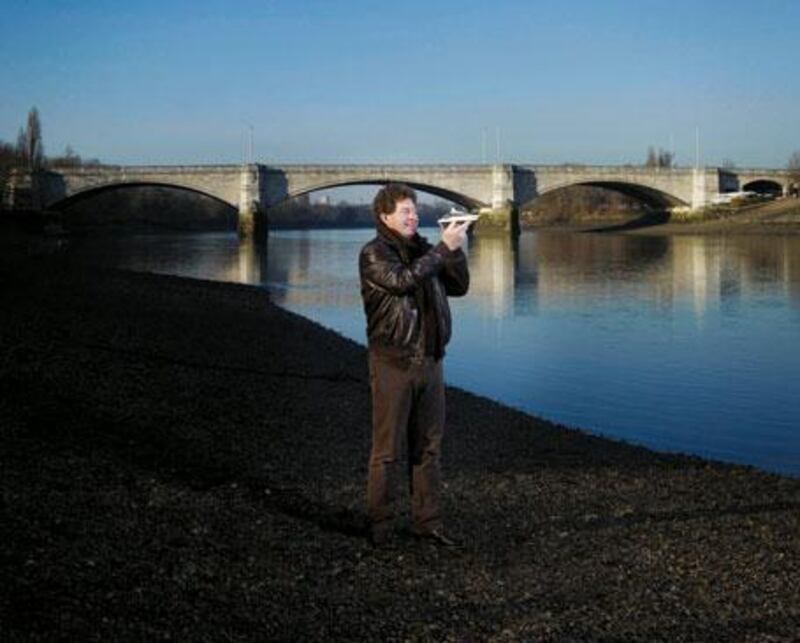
x: 648, y: 220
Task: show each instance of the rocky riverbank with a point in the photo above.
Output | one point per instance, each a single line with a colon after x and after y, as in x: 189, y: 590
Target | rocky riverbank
x: 183, y: 460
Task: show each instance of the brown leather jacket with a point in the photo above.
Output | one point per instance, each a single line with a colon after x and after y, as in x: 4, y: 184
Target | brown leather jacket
x: 391, y: 280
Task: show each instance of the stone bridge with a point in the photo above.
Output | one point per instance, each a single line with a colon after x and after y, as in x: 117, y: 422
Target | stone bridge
x: 496, y: 190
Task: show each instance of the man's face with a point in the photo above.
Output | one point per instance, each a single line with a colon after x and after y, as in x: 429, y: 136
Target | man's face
x: 404, y: 219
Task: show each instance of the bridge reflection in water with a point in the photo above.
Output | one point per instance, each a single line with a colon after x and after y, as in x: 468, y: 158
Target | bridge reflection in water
x: 542, y: 269
x: 687, y: 343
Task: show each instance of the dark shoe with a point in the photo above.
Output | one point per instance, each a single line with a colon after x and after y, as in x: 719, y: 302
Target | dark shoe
x: 437, y: 537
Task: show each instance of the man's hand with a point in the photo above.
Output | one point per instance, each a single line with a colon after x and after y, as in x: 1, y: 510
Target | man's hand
x: 455, y: 234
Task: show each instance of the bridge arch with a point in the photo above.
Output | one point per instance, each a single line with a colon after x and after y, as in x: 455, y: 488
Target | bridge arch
x: 653, y: 198
x: 88, y: 193
x: 764, y: 186
x: 455, y: 197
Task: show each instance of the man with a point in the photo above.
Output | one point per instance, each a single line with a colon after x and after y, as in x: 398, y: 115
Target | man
x: 404, y: 284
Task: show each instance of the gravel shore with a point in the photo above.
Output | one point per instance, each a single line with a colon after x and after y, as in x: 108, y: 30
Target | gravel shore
x: 183, y: 460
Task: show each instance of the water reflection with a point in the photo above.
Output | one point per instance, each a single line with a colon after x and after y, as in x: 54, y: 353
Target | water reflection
x: 251, y: 266
x: 556, y: 268
x: 509, y: 278
x: 539, y: 272
x: 493, y: 268
x: 513, y: 278
x: 682, y: 343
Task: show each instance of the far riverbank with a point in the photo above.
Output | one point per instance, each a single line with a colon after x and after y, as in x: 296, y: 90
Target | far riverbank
x: 780, y: 217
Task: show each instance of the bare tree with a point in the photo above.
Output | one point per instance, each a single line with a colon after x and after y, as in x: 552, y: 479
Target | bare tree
x: 22, y: 155
x: 29, y: 142
x: 69, y: 159
x: 33, y: 141
x: 665, y: 158
x: 658, y: 158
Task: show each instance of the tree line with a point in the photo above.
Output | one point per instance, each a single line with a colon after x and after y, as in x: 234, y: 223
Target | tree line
x: 659, y: 158
x: 28, y: 152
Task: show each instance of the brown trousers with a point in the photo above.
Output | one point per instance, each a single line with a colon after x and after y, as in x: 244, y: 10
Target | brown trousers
x: 407, y: 407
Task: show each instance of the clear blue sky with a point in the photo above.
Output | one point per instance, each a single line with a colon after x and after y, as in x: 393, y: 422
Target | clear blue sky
x: 565, y: 81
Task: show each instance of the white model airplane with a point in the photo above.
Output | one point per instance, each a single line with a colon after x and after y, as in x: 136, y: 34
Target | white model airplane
x: 458, y: 216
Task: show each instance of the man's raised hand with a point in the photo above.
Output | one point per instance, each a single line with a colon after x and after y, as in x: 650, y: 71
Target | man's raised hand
x: 455, y: 234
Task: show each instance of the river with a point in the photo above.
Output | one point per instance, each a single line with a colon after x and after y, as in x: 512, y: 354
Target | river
x: 684, y: 343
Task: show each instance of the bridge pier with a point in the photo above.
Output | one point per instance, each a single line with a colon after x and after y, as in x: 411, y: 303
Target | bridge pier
x: 252, y: 221
x: 503, y: 217
x: 503, y: 221
x: 21, y: 193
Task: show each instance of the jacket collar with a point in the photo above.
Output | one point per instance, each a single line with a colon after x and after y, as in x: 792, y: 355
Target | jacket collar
x: 415, y: 245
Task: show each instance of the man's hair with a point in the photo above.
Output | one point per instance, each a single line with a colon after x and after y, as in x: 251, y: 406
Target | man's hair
x: 386, y: 199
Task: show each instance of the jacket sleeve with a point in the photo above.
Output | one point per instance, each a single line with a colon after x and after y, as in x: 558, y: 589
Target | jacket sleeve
x: 455, y: 274
x: 382, y: 267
